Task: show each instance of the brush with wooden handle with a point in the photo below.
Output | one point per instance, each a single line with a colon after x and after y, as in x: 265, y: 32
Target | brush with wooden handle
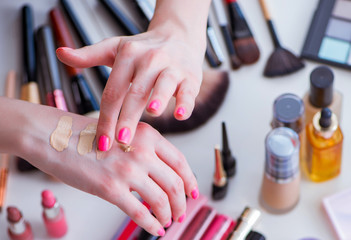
x: 281, y: 61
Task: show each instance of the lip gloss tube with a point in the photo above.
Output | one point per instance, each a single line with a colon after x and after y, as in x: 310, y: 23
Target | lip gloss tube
x: 53, y: 215
x: 245, y: 223
x: 83, y: 96
x: 220, y: 228
x: 18, y: 229
x: 49, y: 67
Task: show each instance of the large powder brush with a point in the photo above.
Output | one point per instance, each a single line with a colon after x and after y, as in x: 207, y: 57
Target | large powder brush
x: 212, y: 93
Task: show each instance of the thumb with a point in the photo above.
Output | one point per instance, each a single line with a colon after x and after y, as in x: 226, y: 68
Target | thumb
x: 101, y: 53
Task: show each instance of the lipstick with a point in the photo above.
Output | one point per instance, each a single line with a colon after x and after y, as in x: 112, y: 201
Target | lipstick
x: 18, y: 228
x: 53, y: 215
x: 220, y: 228
x: 245, y: 223
x: 100, y: 71
x: 220, y: 182
x: 229, y: 161
x: 49, y: 68
x: 83, y: 96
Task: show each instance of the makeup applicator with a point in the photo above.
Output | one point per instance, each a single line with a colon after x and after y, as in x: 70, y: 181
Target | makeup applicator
x: 211, y: 96
x: 229, y: 161
x: 281, y: 61
x: 244, y: 42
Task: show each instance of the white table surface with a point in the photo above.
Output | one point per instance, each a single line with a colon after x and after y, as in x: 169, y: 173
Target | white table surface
x: 247, y: 111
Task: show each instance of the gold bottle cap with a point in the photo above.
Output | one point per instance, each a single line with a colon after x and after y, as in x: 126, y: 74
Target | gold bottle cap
x: 220, y: 176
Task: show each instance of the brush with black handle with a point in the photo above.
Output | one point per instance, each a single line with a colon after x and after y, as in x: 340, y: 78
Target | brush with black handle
x: 223, y: 23
x: 101, y: 71
x: 244, y: 42
x: 282, y: 61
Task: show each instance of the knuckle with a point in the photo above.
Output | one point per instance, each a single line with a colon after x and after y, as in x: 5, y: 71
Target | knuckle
x: 138, y: 91
x: 110, y: 96
x: 180, y: 162
x: 162, y: 201
x: 129, y: 48
x: 139, y: 214
x: 177, y: 186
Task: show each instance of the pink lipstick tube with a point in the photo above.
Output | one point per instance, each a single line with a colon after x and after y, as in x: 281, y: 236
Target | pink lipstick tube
x: 18, y: 228
x: 220, y: 228
x: 53, y: 215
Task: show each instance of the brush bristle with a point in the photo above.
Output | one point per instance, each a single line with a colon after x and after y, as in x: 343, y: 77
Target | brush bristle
x: 282, y: 62
x: 247, y: 50
x: 212, y: 93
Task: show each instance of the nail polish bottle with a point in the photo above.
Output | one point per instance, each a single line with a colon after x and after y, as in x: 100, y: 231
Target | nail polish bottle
x: 324, y: 146
x: 289, y: 111
x: 53, y: 215
x: 18, y: 229
x: 229, y: 161
x: 220, y: 182
x: 322, y: 94
x: 280, y: 188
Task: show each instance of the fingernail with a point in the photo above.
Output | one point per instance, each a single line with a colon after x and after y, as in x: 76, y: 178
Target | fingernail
x: 161, y: 232
x: 124, y: 135
x: 154, y: 105
x: 195, y: 193
x: 169, y: 223
x: 180, y: 111
x: 104, y: 143
x: 181, y: 219
x: 63, y: 48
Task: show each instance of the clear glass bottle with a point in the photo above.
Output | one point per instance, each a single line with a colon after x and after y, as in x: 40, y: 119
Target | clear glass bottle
x: 280, y: 188
x: 324, y: 146
x: 322, y: 94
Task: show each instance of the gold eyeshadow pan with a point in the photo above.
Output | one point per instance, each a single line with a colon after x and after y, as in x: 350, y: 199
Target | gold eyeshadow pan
x: 329, y: 36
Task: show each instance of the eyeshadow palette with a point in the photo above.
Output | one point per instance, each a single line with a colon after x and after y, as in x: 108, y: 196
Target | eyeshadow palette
x: 329, y: 37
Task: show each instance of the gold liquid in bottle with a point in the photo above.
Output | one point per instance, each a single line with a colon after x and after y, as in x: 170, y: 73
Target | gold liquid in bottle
x: 324, y: 146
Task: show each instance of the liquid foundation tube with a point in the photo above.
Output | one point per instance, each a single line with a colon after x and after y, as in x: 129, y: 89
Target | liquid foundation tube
x: 60, y: 137
x: 86, y: 139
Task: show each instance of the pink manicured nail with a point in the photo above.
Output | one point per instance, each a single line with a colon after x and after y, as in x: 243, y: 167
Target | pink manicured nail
x: 181, y: 219
x: 161, y: 232
x: 63, y: 48
x: 124, y: 135
x: 195, y: 193
x: 104, y: 143
x: 181, y: 111
x: 168, y: 224
x: 154, y: 105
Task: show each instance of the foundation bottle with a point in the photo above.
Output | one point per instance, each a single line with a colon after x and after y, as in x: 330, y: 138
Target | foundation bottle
x: 324, y: 146
x: 280, y: 188
x: 321, y: 94
x: 289, y: 111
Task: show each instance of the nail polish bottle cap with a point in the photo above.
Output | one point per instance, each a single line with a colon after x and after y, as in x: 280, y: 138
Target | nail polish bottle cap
x: 321, y: 88
x: 288, y: 111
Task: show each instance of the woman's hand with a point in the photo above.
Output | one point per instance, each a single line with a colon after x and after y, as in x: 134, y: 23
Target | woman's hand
x: 148, y: 68
x: 142, y: 65
x: 154, y: 169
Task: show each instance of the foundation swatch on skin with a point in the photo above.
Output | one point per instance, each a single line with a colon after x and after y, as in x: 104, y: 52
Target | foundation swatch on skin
x: 60, y: 137
x: 86, y: 139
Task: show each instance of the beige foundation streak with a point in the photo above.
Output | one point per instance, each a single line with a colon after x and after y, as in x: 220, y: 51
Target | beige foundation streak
x: 60, y: 137
x: 86, y: 139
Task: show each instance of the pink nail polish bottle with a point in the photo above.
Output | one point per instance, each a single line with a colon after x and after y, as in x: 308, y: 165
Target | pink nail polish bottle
x: 53, y: 215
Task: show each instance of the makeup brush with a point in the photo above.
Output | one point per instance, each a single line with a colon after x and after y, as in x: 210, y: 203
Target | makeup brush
x: 229, y: 161
x: 128, y: 26
x: 212, y: 93
x: 281, y: 61
x: 100, y: 71
x: 220, y: 181
x: 213, y: 48
x: 83, y: 96
x: 49, y: 68
x: 29, y: 87
x: 244, y: 42
x: 223, y: 23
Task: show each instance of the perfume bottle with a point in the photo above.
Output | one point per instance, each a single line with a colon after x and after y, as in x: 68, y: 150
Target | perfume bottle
x: 322, y: 94
x: 324, y: 146
x: 280, y: 188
